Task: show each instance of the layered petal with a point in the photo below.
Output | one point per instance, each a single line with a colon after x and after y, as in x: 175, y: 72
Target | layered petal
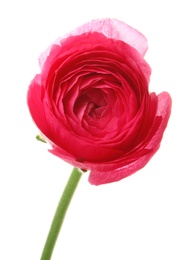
x: 111, y: 28
x: 163, y: 112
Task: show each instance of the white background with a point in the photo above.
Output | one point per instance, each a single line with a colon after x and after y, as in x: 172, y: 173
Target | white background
x: 145, y: 216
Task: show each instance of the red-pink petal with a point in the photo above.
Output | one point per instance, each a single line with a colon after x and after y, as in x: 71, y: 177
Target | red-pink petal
x: 163, y: 110
x: 35, y: 104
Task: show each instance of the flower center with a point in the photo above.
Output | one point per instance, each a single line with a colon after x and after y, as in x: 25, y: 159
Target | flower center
x: 90, y: 104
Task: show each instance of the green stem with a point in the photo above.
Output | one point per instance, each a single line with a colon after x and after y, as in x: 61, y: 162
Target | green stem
x: 60, y: 213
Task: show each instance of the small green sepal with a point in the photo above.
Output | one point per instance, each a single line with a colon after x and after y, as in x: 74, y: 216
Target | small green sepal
x: 39, y: 138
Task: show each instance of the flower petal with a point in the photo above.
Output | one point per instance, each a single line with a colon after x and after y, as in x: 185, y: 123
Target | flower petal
x: 35, y: 104
x: 164, y: 110
x: 111, y: 28
x: 117, y: 30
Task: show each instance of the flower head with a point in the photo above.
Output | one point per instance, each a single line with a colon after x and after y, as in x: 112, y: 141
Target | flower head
x: 92, y: 104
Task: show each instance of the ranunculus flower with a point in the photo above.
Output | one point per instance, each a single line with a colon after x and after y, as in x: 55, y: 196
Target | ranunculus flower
x: 92, y: 104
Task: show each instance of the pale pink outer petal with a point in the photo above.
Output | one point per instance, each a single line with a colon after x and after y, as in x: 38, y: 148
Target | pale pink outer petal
x: 111, y: 28
x: 164, y: 110
x: 43, y: 56
x: 117, y: 30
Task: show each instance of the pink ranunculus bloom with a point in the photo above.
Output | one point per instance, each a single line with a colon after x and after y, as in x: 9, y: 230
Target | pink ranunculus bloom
x: 92, y: 104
